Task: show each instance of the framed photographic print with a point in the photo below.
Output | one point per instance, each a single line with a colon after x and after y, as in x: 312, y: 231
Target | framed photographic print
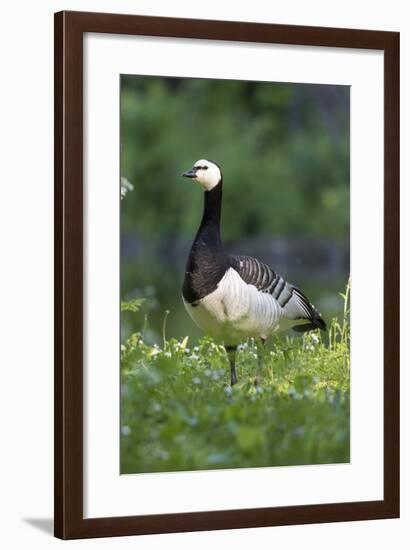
x: 227, y: 275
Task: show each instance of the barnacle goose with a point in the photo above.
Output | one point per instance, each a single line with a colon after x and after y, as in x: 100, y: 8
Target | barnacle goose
x: 233, y: 297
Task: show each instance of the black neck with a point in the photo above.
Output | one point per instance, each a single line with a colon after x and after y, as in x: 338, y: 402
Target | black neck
x: 207, y: 261
x: 211, y: 217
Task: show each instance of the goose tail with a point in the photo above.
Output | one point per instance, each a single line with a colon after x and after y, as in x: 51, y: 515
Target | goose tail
x: 313, y: 318
x: 316, y: 323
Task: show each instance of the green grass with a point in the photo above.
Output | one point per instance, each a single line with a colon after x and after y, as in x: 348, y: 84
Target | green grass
x: 178, y: 411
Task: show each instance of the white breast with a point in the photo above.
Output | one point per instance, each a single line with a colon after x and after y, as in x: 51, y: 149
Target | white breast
x: 235, y: 310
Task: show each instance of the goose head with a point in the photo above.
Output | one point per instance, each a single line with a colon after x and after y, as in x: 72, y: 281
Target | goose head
x: 206, y: 173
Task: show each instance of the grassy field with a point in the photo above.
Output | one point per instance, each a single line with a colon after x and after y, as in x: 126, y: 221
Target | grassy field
x: 178, y: 411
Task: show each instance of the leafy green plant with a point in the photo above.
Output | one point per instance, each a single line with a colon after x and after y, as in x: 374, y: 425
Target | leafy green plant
x: 178, y: 411
x: 132, y: 305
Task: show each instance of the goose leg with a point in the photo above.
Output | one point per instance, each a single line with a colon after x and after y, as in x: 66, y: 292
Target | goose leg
x: 259, y: 367
x: 231, y: 351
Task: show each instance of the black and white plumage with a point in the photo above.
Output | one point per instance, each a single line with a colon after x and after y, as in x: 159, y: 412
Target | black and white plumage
x: 296, y: 310
x: 233, y: 297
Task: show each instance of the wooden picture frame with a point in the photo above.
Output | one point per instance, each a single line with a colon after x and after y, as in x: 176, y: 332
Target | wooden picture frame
x: 69, y: 30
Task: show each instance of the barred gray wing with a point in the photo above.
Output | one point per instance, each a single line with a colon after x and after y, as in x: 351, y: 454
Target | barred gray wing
x: 293, y: 301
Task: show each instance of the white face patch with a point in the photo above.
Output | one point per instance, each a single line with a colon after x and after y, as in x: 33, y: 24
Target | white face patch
x: 207, y: 174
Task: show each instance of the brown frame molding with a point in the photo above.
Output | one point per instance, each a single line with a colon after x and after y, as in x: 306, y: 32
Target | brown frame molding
x: 68, y: 65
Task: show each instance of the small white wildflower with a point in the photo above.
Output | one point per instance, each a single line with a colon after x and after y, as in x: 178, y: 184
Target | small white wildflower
x: 192, y: 421
x: 315, y: 339
x: 154, y: 352
x: 308, y: 347
x: 228, y: 390
x: 123, y: 348
x: 125, y: 430
x: 196, y: 349
x: 125, y: 187
x: 196, y: 380
x: 160, y: 453
x: 168, y: 354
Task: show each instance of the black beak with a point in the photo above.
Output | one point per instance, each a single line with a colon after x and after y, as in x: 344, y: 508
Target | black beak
x: 190, y: 173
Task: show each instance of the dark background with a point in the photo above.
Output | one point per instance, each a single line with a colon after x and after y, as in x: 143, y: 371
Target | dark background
x: 284, y: 152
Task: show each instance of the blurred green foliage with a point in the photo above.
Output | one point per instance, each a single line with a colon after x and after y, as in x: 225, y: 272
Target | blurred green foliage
x: 284, y: 151
x: 283, y: 148
x: 179, y: 413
